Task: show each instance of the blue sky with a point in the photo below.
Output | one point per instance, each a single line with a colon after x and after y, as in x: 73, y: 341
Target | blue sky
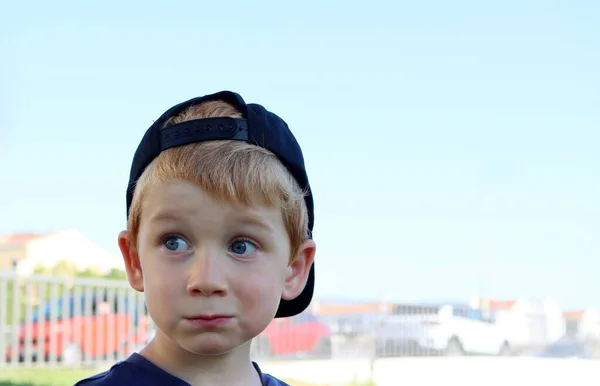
x: 452, y: 146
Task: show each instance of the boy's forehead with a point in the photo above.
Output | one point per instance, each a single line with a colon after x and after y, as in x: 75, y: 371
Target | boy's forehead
x: 178, y: 200
x: 183, y: 195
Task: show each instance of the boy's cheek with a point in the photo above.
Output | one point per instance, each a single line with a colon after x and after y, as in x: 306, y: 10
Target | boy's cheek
x: 263, y: 294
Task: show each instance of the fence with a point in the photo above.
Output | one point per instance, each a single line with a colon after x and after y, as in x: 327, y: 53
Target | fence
x: 71, y: 322
x: 74, y: 322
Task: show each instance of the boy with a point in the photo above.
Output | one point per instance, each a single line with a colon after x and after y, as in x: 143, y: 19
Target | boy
x: 220, y: 216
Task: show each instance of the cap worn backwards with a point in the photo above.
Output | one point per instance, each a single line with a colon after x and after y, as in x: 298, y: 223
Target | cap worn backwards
x: 258, y: 127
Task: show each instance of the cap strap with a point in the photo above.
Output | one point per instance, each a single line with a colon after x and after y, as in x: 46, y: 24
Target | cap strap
x: 206, y: 129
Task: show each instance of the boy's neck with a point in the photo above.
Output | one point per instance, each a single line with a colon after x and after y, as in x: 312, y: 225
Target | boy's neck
x: 234, y: 368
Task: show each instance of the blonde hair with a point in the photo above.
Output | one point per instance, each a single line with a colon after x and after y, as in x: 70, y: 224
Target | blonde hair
x: 233, y: 171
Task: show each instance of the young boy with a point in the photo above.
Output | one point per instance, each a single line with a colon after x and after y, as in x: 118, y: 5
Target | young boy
x: 220, y: 216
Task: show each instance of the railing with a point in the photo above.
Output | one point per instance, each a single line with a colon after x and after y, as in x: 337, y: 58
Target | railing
x: 69, y: 321
x: 76, y: 322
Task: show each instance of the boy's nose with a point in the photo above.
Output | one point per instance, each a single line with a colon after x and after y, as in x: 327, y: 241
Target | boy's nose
x: 206, y: 275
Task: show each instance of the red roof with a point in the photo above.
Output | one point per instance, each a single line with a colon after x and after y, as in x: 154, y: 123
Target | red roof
x: 498, y: 305
x: 573, y: 314
x: 18, y: 239
x: 502, y: 304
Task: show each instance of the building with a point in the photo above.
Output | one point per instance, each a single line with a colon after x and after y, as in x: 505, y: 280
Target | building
x: 25, y: 251
x: 529, y: 322
x: 583, y: 324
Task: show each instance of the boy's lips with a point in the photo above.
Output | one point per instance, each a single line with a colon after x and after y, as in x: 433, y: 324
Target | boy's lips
x: 209, y: 320
x: 208, y: 317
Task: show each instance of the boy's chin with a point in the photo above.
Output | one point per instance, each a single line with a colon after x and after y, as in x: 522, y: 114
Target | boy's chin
x: 211, y: 349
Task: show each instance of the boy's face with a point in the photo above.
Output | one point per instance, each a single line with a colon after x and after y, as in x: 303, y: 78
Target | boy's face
x: 213, y: 273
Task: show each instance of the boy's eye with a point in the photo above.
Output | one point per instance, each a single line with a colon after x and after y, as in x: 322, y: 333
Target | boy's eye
x: 241, y: 247
x: 175, y: 244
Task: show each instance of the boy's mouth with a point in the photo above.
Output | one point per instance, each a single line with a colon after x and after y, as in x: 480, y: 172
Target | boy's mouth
x: 209, y: 320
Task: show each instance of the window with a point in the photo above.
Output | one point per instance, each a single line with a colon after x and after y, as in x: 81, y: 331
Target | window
x: 415, y: 310
x: 572, y: 327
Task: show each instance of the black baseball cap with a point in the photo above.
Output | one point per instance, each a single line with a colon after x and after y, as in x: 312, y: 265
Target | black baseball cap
x: 258, y: 127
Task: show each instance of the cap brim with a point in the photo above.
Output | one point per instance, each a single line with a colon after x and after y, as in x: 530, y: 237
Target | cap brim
x: 296, y: 306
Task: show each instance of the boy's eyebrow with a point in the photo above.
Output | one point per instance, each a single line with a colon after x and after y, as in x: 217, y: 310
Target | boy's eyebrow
x: 254, y: 220
x: 245, y: 219
x: 164, y: 216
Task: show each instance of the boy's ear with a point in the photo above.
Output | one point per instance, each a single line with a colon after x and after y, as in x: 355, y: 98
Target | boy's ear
x: 298, y: 270
x: 132, y: 261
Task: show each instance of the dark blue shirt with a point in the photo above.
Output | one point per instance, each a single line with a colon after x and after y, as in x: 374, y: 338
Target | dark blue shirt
x: 137, y: 370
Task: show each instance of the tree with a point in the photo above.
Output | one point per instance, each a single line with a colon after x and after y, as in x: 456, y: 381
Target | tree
x: 64, y: 268
x: 88, y: 273
x: 117, y: 274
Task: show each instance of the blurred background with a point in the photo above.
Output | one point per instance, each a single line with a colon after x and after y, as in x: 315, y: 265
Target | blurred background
x: 451, y: 147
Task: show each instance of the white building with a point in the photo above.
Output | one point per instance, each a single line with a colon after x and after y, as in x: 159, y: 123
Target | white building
x: 584, y: 324
x: 529, y: 322
x: 24, y: 252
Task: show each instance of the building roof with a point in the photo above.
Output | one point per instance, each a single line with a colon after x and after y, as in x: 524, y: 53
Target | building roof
x: 573, y: 315
x: 498, y: 305
x: 18, y: 239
